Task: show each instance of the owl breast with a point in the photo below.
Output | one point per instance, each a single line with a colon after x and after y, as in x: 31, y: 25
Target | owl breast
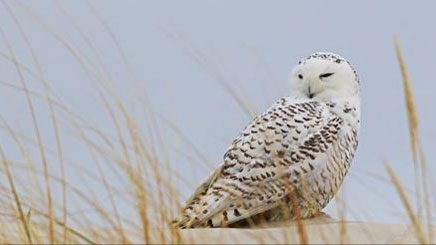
x: 315, y: 192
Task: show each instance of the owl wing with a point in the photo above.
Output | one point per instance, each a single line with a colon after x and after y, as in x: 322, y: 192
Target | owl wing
x: 277, y: 149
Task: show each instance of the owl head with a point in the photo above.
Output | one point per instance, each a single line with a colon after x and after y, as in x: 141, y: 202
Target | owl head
x: 324, y: 76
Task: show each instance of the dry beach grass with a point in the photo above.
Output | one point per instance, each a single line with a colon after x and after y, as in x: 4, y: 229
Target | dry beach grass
x: 37, y: 197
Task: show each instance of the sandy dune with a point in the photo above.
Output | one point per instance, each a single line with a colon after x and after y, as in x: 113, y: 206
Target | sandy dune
x: 319, y: 231
x: 366, y: 233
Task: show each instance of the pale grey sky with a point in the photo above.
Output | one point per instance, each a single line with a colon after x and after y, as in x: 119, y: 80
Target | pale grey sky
x: 253, y: 46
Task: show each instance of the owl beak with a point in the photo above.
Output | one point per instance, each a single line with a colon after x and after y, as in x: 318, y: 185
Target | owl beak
x: 310, y: 94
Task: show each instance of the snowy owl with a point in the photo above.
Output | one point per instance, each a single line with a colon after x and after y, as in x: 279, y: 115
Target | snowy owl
x: 291, y: 159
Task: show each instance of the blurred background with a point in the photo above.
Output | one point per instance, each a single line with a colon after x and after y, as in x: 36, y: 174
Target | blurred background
x: 188, y: 59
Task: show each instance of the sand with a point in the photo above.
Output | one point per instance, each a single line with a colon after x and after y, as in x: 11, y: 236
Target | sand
x: 319, y: 231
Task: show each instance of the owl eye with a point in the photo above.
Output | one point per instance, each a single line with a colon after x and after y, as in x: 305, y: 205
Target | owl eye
x: 300, y: 76
x: 325, y: 75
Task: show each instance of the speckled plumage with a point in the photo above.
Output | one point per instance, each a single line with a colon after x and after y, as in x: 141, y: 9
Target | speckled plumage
x: 293, y: 156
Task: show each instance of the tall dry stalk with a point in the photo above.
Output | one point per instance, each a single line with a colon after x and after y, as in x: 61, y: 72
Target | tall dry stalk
x: 23, y: 218
x: 51, y: 108
x: 37, y: 135
x: 413, y: 217
x: 422, y: 177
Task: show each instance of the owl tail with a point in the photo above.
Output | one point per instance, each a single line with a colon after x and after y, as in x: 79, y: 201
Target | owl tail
x: 200, y: 216
x: 182, y: 222
x: 200, y: 211
x: 220, y: 219
x: 190, y: 220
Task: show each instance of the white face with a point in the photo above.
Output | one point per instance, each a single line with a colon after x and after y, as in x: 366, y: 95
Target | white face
x: 324, y: 77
